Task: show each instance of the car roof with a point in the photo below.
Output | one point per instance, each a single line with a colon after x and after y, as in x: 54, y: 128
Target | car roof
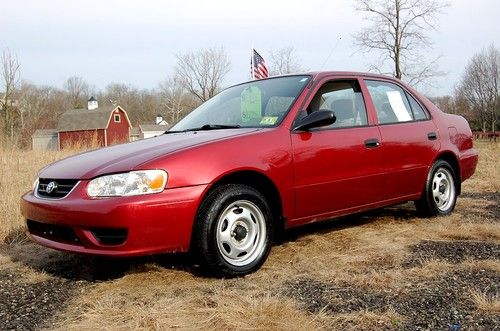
x: 320, y: 74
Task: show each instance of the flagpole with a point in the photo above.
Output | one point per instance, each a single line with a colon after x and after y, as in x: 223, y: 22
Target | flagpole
x: 251, y: 64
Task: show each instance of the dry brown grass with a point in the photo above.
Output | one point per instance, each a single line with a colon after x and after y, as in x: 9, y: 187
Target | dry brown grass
x: 182, y: 301
x: 18, y: 171
x: 487, y: 176
x: 366, y: 252
x: 488, y: 304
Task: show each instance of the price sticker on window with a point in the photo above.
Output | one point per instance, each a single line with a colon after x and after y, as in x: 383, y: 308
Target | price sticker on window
x: 251, y: 104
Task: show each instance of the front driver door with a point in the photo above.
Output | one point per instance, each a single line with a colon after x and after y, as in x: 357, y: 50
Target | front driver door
x: 336, y: 168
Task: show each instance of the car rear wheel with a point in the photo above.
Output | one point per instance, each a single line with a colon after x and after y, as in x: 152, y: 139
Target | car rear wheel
x: 440, y: 194
x: 233, y: 231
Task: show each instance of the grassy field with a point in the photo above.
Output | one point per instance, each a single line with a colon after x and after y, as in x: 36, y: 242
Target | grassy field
x: 386, y: 269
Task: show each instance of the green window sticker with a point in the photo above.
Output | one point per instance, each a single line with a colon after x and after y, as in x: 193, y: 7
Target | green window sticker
x: 251, y: 104
x: 269, y: 120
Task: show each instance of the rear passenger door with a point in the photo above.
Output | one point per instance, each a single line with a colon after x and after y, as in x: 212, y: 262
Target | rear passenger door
x: 408, y: 138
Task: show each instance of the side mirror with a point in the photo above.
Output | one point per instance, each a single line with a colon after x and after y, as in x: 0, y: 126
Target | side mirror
x: 315, y: 119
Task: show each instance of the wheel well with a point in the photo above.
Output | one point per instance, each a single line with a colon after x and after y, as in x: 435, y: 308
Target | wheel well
x: 262, y: 184
x: 452, y: 160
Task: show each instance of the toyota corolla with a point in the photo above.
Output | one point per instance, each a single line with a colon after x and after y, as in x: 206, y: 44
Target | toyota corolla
x: 257, y: 158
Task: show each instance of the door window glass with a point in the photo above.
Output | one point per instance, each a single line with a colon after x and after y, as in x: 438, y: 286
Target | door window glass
x: 390, y: 102
x: 345, y: 99
x: 418, y: 112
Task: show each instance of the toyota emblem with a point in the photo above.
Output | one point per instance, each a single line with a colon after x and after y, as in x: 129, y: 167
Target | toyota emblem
x: 51, y: 187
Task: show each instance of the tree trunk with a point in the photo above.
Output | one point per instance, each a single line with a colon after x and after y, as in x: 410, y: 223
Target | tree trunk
x: 397, y: 42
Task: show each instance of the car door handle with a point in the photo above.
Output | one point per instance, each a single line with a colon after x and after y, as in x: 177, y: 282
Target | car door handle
x: 432, y: 136
x: 372, y: 143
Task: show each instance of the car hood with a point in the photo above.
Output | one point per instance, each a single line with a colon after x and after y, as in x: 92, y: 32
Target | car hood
x: 126, y: 157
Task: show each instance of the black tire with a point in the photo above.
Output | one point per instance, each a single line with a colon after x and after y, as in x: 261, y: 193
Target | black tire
x: 440, y: 193
x: 233, y: 231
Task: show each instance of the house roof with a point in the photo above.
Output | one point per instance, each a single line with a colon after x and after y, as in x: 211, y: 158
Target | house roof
x: 44, y: 132
x: 84, y: 119
x: 153, y: 127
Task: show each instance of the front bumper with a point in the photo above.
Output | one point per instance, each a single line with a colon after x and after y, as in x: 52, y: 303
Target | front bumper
x: 155, y: 223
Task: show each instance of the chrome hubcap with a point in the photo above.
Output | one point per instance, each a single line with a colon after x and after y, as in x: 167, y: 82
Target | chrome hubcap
x: 241, y: 233
x: 443, y: 189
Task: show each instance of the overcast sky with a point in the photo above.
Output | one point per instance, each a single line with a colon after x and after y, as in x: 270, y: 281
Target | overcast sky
x: 135, y: 42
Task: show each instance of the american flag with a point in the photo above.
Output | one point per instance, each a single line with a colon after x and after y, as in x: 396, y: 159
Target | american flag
x: 259, y: 66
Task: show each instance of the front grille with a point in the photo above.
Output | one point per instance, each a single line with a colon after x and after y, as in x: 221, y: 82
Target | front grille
x: 55, y: 188
x: 112, y: 237
x: 59, y: 233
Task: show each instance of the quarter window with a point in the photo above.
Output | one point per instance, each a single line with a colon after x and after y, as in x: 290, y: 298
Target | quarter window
x: 390, y: 102
x: 345, y: 99
x: 418, y: 112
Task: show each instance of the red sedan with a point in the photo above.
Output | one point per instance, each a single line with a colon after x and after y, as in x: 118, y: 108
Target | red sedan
x: 257, y: 158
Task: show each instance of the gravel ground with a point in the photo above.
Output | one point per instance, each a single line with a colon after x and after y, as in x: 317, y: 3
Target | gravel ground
x: 455, y: 251
x: 492, y: 210
x: 28, y: 306
x: 438, y: 303
x: 435, y: 304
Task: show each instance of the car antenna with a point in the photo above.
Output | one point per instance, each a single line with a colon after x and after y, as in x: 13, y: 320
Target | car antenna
x: 331, y: 52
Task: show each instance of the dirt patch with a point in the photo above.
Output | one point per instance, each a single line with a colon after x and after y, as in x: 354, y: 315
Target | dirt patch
x: 433, y: 304
x: 452, y: 251
x: 28, y: 306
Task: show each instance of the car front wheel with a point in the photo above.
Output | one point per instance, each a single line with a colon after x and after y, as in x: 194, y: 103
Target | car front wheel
x: 233, y: 230
x: 440, y: 194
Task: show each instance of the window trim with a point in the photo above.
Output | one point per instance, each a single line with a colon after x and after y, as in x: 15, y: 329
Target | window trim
x: 115, y: 116
x: 314, y: 90
x: 426, y: 112
x: 406, y: 92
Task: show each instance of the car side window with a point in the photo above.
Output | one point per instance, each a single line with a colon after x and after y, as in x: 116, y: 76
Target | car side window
x: 345, y: 99
x: 418, y: 112
x: 390, y: 102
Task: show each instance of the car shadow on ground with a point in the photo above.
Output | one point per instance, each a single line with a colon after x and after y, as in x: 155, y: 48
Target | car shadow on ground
x: 76, y: 267
x: 401, y: 212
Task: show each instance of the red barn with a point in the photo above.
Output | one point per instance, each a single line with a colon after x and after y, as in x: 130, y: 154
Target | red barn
x: 95, y: 126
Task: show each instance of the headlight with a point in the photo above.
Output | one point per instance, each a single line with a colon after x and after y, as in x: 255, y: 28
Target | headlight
x: 35, y: 185
x: 127, y: 184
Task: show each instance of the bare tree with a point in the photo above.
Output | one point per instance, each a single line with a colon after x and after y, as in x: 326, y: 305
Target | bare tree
x: 480, y: 86
x: 202, y: 73
x: 284, y: 61
x: 38, y: 107
x: 445, y: 103
x: 397, y: 31
x: 10, y: 76
x: 78, y: 91
x: 174, y: 99
x: 121, y: 94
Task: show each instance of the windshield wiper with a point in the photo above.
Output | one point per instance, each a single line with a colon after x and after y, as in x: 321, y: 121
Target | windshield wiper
x: 207, y: 127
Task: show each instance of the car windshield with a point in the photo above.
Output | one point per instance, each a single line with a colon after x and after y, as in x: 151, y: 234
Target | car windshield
x: 259, y: 103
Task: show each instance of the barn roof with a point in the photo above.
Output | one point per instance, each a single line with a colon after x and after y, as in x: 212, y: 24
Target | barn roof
x: 44, y: 132
x: 84, y: 119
